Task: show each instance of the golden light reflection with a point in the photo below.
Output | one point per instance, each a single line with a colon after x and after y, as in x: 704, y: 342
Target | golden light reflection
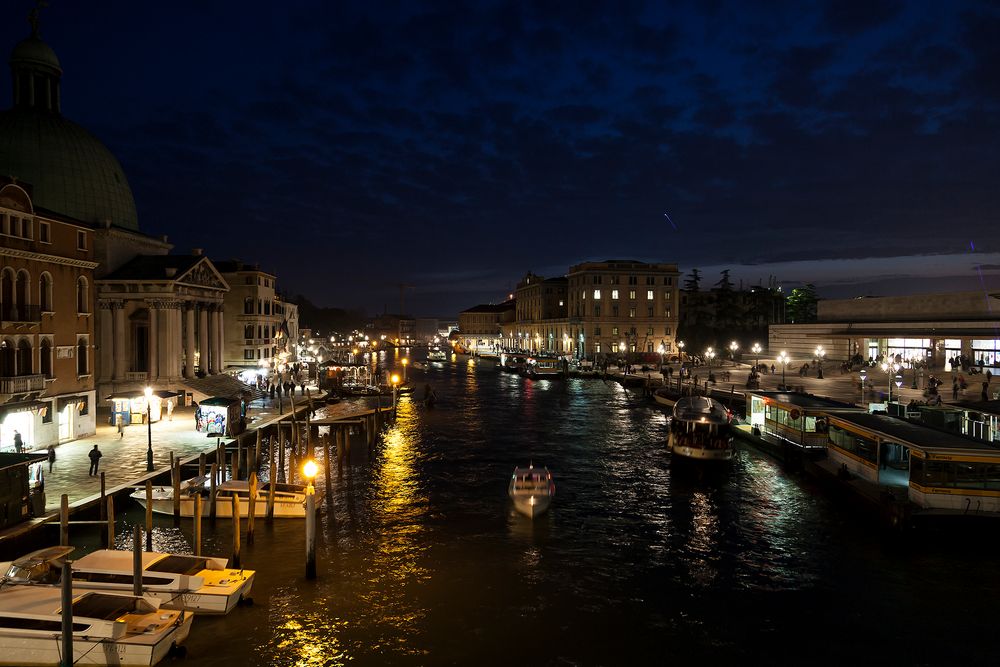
x: 313, y: 644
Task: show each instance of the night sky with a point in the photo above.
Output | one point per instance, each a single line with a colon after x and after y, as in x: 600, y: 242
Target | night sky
x: 350, y: 148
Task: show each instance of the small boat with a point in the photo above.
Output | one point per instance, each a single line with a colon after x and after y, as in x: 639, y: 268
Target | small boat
x: 359, y: 389
x: 531, y: 489
x: 513, y: 362
x: 544, y: 368
x: 665, y: 396
x: 108, y: 628
x: 437, y: 354
x: 701, y: 429
x: 289, y: 499
x: 193, y: 583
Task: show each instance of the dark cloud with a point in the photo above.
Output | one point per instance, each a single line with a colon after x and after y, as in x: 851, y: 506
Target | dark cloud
x: 850, y: 16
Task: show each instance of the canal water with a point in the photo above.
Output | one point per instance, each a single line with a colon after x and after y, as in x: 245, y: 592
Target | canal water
x: 422, y: 560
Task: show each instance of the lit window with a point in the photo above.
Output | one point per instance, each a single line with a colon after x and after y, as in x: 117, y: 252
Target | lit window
x: 631, y: 312
x: 649, y: 295
x: 597, y: 294
x: 631, y: 295
x: 614, y: 294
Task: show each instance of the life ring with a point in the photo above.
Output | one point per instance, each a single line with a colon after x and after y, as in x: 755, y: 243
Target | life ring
x: 794, y: 414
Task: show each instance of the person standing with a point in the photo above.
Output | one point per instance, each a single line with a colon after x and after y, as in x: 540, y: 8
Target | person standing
x: 120, y: 423
x: 954, y: 389
x: 18, y: 442
x: 95, y: 458
x: 170, y: 409
x: 52, y: 456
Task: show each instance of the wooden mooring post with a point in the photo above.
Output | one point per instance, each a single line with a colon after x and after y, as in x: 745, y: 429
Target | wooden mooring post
x: 251, y: 506
x: 211, y: 491
x: 202, y: 463
x: 176, y: 476
x: 256, y: 453
x: 281, y: 453
x: 111, y: 522
x: 197, y: 524
x: 149, y: 515
x: 64, y: 520
x: 236, y: 531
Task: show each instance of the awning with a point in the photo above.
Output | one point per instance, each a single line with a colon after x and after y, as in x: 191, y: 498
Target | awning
x: 63, y: 401
x: 166, y: 393
x: 23, y: 406
x: 125, y: 395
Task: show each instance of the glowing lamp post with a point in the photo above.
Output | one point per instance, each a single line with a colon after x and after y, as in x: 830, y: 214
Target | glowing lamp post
x: 890, y: 371
x: 661, y: 350
x: 732, y: 351
x: 756, y: 351
x: 820, y: 353
x: 406, y: 361
x: 710, y: 355
x: 680, y: 346
x: 394, y: 379
x: 864, y: 376
x: 784, y: 360
x: 149, y: 430
x: 309, y: 471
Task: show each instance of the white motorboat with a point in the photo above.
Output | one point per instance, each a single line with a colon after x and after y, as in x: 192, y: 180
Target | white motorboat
x: 289, y: 499
x: 108, y: 628
x: 701, y: 429
x: 544, y: 368
x: 437, y: 354
x: 201, y: 584
x: 665, y: 397
x: 532, y: 490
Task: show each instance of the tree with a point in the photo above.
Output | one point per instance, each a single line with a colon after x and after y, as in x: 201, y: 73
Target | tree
x: 726, y: 316
x: 693, y: 280
x: 801, y: 304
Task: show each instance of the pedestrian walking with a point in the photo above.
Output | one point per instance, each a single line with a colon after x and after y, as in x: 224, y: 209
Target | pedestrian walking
x: 95, y: 458
x: 170, y: 409
x: 52, y: 456
x: 986, y: 391
x: 120, y: 423
x: 954, y: 389
x: 18, y: 442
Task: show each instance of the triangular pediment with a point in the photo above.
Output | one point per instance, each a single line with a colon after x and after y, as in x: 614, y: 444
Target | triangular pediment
x: 204, y: 274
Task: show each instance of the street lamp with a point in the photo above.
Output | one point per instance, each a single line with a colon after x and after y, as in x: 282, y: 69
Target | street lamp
x: 820, y: 353
x: 732, y: 351
x: 784, y: 360
x: 890, y: 370
x: 710, y: 355
x: 864, y: 376
x: 309, y: 471
x: 149, y: 430
x: 756, y: 350
x: 661, y: 350
x: 405, y: 362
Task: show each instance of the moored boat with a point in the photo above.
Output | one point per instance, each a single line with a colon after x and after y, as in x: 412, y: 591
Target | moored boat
x: 665, y: 396
x: 437, y: 353
x: 201, y: 584
x: 289, y: 499
x: 108, y: 628
x: 544, y: 368
x: 701, y: 429
x: 532, y: 490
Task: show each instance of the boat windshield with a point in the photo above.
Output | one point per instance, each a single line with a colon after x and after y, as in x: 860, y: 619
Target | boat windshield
x: 189, y: 565
x: 39, y: 573
x: 107, y: 607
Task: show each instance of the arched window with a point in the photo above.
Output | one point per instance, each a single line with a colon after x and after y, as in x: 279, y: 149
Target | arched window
x: 45, y: 357
x: 45, y: 293
x: 7, y: 358
x: 7, y: 293
x: 248, y: 306
x: 82, y: 296
x: 24, y: 357
x: 248, y: 331
x: 22, y: 297
x: 81, y: 357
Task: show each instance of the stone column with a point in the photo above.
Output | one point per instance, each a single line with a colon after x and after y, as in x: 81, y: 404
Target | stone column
x: 222, y: 339
x: 154, y: 341
x: 213, y: 339
x: 173, y: 336
x: 120, y: 352
x: 189, y: 339
x: 203, y: 338
x: 106, y: 339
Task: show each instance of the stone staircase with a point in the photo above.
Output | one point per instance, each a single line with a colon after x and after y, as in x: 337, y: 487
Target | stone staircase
x: 219, y: 385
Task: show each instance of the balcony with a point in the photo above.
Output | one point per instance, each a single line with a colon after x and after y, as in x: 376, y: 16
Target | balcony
x: 136, y: 376
x: 10, y: 313
x: 22, y: 384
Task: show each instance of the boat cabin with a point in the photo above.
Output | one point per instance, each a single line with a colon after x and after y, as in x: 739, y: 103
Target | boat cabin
x: 800, y: 419
x: 941, y: 471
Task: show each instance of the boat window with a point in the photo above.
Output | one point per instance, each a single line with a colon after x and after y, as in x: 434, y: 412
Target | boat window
x: 190, y: 565
x: 955, y: 474
x: 39, y: 624
x: 113, y: 578
x: 107, y: 607
x: 855, y: 444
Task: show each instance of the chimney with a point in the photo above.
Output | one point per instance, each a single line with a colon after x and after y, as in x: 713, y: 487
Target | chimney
x: 196, y: 252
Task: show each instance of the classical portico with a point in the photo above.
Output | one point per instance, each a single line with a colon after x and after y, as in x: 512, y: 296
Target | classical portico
x: 160, y: 322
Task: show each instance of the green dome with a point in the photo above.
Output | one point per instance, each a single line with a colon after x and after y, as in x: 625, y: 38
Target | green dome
x: 36, y: 52
x: 70, y: 171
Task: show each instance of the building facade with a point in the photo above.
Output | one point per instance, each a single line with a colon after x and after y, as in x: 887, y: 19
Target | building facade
x: 254, y: 320
x: 46, y: 325
x: 480, y: 327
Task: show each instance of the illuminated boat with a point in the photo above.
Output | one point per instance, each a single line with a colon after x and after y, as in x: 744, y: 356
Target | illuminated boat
x: 193, y: 583
x: 108, y: 628
x: 289, y: 499
x: 701, y: 429
x: 532, y: 490
x: 437, y: 354
x: 544, y: 368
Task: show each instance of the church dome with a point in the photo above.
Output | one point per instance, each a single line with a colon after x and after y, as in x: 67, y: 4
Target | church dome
x: 69, y: 170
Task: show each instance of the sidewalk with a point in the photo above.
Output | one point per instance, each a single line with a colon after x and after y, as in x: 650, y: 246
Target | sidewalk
x: 124, y: 459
